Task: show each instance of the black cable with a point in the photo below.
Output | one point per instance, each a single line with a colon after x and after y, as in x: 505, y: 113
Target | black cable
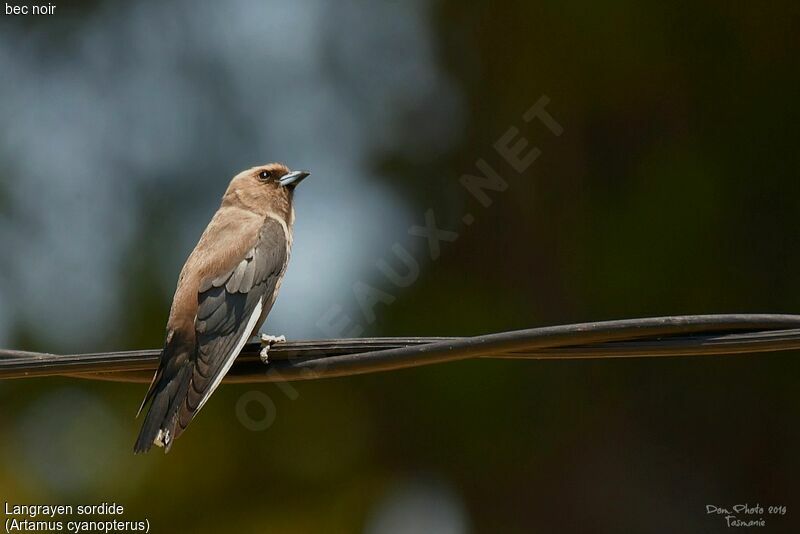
x: 301, y: 360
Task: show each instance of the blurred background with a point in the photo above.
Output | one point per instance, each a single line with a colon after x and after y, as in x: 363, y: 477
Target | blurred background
x: 673, y: 189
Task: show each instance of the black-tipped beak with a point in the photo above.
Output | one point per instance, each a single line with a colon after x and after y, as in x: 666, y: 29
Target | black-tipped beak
x: 293, y: 178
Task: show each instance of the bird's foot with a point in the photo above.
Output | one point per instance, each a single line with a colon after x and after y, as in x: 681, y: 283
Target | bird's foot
x: 266, y: 343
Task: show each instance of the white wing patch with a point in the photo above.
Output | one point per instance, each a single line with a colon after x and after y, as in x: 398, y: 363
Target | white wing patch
x: 251, y: 324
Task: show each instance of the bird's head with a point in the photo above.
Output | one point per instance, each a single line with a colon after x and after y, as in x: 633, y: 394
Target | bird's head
x: 265, y: 188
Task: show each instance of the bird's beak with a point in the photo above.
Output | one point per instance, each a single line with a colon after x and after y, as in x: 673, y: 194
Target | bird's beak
x: 293, y: 178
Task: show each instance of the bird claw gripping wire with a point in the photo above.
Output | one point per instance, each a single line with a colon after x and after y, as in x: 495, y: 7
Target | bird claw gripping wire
x: 266, y: 343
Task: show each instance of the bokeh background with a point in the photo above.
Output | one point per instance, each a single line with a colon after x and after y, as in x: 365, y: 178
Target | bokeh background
x: 674, y: 189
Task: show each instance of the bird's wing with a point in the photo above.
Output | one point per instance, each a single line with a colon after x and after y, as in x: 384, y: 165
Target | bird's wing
x: 229, y: 307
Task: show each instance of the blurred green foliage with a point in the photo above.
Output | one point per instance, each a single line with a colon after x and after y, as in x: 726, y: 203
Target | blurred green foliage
x: 673, y: 190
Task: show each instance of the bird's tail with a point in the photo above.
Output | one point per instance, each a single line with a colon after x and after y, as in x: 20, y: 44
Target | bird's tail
x: 167, y: 391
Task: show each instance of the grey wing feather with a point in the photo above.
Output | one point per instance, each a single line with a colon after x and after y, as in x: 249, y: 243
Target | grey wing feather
x: 233, y: 283
x: 225, y: 308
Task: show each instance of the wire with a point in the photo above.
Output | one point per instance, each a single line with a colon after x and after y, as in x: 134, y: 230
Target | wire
x: 694, y: 335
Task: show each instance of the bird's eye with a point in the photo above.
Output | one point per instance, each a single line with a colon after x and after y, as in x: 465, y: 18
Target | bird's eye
x: 264, y: 175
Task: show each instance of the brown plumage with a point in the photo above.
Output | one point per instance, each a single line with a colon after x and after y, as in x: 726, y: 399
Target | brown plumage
x: 224, y: 293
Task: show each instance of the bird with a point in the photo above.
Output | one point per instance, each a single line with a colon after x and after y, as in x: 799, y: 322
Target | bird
x: 225, y: 291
